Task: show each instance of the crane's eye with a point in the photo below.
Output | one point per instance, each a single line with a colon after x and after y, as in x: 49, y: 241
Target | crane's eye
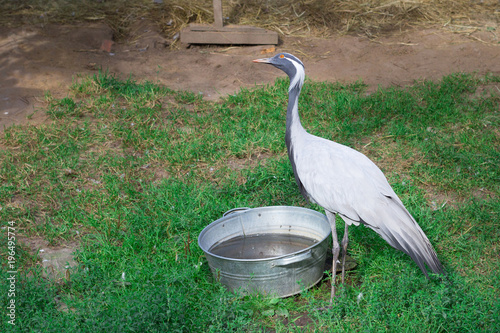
x: 282, y: 56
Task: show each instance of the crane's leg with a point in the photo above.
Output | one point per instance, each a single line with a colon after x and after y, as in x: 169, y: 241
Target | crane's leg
x: 335, y: 250
x: 345, y: 240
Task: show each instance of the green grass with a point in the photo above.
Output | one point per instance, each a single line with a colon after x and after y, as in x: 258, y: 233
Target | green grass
x: 134, y: 171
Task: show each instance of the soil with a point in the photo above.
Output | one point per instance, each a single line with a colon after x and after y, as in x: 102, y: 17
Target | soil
x: 55, y: 261
x: 34, y: 60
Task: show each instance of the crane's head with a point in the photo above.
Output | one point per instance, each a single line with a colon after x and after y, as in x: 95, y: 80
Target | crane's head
x: 289, y: 64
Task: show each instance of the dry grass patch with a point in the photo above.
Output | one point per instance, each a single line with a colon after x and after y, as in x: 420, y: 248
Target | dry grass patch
x: 305, y: 17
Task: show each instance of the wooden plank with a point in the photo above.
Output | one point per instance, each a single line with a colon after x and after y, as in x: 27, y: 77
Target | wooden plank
x: 218, y: 14
x: 230, y: 28
x: 228, y: 35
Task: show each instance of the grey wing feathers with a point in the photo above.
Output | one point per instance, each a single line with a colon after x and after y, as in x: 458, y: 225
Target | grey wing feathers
x: 355, y: 188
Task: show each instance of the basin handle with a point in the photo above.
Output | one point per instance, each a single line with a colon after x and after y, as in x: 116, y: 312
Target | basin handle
x: 236, y: 210
x: 292, y: 259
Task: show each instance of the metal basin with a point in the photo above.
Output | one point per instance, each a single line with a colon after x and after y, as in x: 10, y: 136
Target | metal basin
x: 278, y: 272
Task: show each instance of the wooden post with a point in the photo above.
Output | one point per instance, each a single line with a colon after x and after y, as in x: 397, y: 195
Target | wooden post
x: 218, y: 14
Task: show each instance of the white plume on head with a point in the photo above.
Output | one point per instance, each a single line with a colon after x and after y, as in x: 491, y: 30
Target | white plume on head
x: 300, y: 74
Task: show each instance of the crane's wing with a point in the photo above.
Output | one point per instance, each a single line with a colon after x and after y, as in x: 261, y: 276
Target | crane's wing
x: 344, y: 181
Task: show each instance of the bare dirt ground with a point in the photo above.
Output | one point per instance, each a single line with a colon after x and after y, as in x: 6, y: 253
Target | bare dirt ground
x: 34, y: 60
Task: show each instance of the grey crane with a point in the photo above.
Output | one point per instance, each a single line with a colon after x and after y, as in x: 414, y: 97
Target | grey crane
x: 345, y: 182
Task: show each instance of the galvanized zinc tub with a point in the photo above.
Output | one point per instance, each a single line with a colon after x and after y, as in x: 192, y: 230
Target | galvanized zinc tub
x: 280, y: 274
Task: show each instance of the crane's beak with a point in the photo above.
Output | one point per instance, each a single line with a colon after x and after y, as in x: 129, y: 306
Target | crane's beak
x: 264, y: 60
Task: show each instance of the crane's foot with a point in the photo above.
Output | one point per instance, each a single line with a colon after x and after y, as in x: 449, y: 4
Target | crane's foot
x: 334, y: 272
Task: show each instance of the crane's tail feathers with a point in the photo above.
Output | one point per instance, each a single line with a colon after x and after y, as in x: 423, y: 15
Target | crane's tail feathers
x: 402, y: 232
x: 418, y: 248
